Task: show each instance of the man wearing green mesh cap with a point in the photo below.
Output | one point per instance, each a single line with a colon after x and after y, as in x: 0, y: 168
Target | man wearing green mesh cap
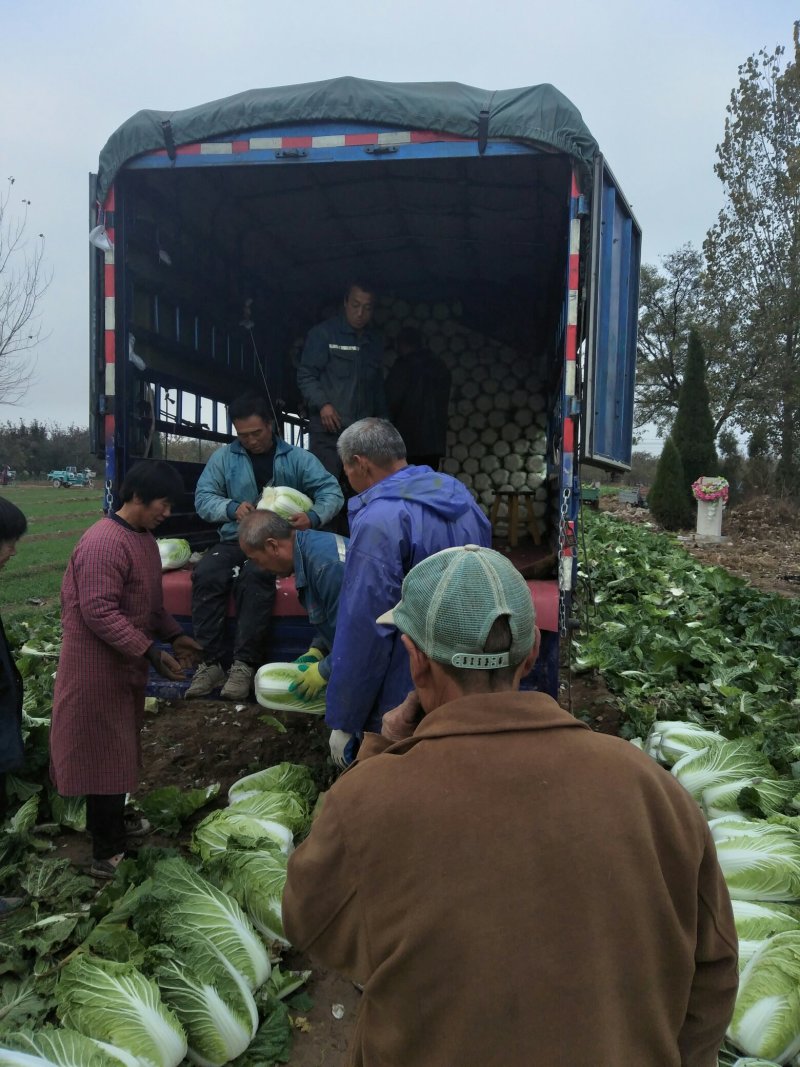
x: 509, y: 887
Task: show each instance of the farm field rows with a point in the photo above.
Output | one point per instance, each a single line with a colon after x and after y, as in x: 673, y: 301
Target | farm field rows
x: 56, y: 520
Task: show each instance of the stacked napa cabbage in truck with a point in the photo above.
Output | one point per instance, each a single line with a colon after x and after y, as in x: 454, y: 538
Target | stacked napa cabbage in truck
x: 497, y: 422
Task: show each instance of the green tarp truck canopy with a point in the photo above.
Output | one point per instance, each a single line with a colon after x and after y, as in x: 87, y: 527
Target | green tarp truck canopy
x: 539, y: 114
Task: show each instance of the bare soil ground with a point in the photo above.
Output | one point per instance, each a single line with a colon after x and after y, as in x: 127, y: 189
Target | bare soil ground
x: 199, y: 742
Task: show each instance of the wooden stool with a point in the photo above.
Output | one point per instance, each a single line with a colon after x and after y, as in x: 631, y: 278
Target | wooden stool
x: 512, y: 498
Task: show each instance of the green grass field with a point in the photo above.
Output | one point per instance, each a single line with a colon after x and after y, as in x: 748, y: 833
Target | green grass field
x: 56, y: 520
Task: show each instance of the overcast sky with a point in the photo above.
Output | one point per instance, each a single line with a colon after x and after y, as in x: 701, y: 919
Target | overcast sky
x: 652, y: 80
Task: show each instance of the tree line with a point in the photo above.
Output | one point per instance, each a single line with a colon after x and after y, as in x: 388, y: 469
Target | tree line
x: 741, y: 293
x: 34, y: 448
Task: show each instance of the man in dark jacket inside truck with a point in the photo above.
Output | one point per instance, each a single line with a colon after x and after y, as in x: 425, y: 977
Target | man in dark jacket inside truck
x: 399, y: 515
x: 340, y: 374
x: 508, y: 886
x: 228, y: 489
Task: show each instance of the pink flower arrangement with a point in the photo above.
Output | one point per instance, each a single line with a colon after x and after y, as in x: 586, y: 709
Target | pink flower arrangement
x: 711, y: 489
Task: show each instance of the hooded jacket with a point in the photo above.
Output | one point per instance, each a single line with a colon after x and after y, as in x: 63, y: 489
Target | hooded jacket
x: 228, y: 478
x: 393, y: 525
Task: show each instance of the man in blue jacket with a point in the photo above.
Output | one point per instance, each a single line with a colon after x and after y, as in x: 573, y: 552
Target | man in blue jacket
x: 400, y: 515
x: 317, y: 561
x: 229, y: 489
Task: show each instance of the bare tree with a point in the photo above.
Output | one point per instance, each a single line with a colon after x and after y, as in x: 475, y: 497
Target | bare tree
x: 23, y: 281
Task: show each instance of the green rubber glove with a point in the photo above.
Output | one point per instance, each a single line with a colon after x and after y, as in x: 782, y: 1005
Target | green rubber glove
x: 313, y: 655
x: 311, y: 684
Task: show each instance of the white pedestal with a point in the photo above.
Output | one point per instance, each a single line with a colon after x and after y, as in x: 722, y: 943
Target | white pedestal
x: 709, y: 520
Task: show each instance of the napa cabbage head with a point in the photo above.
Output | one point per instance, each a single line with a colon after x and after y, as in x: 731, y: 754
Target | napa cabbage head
x: 293, y: 777
x: 284, y: 501
x: 765, y: 794
x: 174, y: 552
x: 256, y: 879
x: 198, y: 918
x: 667, y: 742
x: 215, y: 1007
x: 729, y: 761
x: 287, y: 808
x: 232, y: 827
x: 761, y: 866
x: 766, y: 1018
x: 59, y: 1047
x: 115, y: 1002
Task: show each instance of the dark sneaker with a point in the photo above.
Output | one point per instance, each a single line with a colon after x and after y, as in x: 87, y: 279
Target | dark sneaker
x: 106, y: 868
x: 239, y: 683
x: 9, y: 905
x: 207, y: 678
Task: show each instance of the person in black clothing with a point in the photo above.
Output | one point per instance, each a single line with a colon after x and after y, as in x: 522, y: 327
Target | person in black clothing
x: 13, y: 525
x: 417, y: 393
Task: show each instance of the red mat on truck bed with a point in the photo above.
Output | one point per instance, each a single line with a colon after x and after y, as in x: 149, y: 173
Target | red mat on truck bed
x: 177, y: 587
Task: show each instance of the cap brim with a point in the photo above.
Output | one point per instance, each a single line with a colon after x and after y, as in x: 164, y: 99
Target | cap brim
x: 387, y: 619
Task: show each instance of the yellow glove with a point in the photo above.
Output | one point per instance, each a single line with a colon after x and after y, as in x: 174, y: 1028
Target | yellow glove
x: 313, y: 655
x: 310, y: 684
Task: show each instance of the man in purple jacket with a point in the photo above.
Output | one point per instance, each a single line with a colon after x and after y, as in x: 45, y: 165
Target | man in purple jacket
x: 400, y: 515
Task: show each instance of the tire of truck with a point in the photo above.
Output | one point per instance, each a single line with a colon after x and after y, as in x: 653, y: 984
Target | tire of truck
x: 56, y: 483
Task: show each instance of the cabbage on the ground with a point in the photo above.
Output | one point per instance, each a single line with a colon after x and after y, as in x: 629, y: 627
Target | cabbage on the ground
x: 115, y: 1002
x: 766, y: 1019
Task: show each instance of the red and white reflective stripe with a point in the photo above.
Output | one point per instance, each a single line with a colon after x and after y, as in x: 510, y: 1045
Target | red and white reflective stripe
x: 327, y: 140
x: 572, y: 308
x: 109, y: 320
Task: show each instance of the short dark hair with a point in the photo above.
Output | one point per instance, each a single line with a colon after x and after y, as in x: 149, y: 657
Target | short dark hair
x: 257, y: 527
x: 358, y: 283
x: 243, y: 407
x: 13, y: 523
x: 152, y: 480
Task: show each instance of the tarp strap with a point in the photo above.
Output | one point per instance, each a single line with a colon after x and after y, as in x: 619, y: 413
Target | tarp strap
x: 483, y: 123
x: 169, y: 140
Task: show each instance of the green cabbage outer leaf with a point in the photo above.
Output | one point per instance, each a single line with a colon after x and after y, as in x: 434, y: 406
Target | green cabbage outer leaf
x: 284, y: 501
x: 284, y: 807
x: 294, y: 777
x: 757, y: 919
x: 174, y: 552
x: 199, y: 918
x: 772, y: 794
x: 737, y: 825
x: 271, y: 688
x: 753, y: 1061
x: 59, y: 1047
x: 730, y: 761
x: 256, y: 880
x: 747, y: 949
x: 115, y: 1002
x: 667, y: 742
x: 766, y: 1018
x: 214, y: 833
x: 217, y: 1011
x: 761, y: 867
